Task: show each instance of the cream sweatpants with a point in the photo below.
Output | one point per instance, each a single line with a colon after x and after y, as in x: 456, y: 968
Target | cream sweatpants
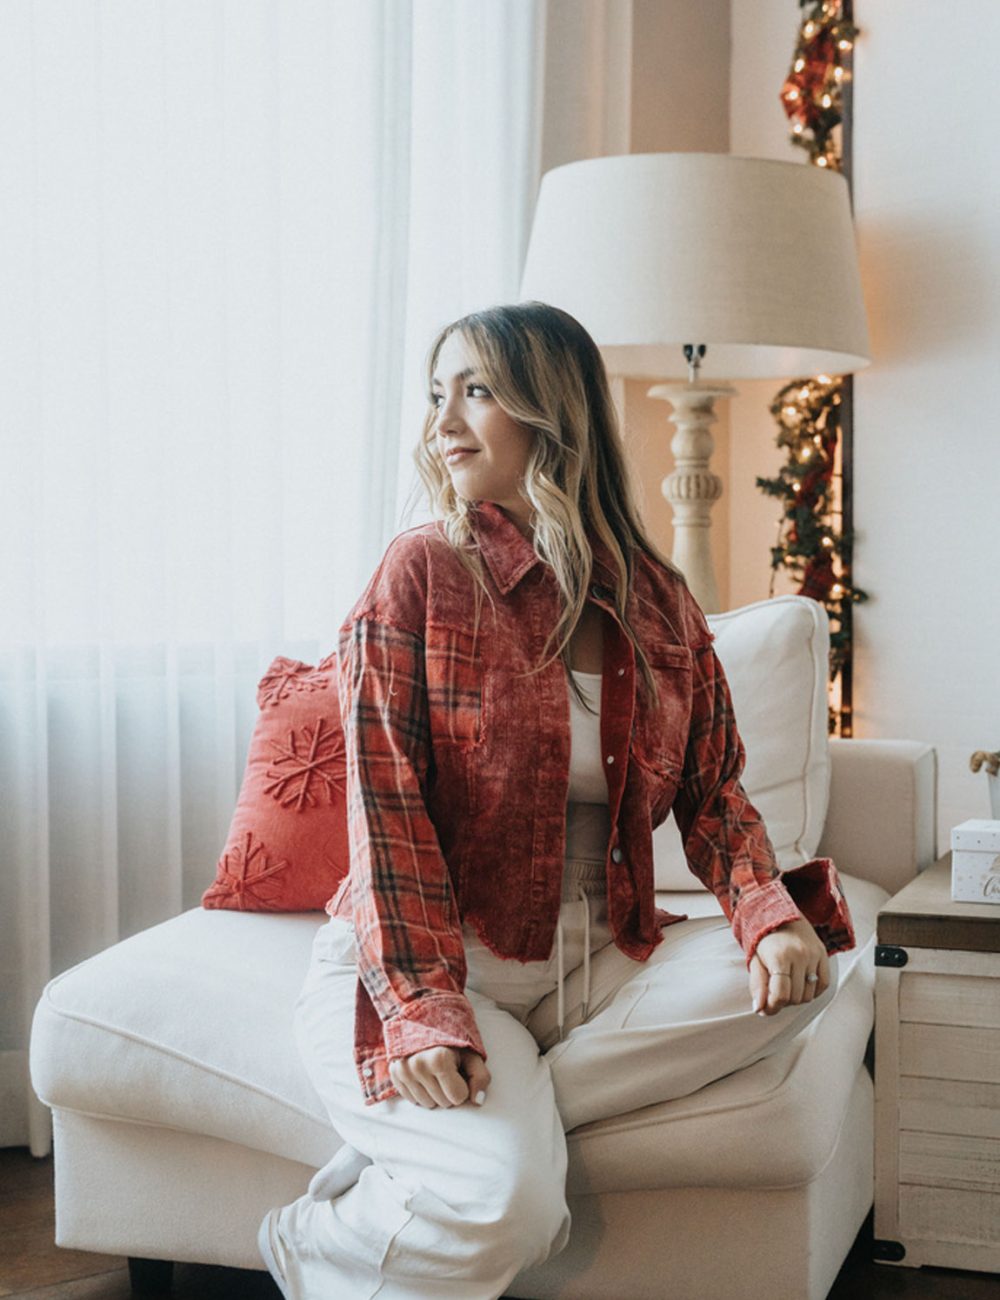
x: 452, y: 1203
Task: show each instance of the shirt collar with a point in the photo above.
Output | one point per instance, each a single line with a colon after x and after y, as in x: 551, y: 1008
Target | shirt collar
x: 509, y: 555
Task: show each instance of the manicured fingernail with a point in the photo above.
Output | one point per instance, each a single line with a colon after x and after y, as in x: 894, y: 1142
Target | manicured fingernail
x: 480, y: 1097
x: 760, y: 1013
x: 756, y: 1004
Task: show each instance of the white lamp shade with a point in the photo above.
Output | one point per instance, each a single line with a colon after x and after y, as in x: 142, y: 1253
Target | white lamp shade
x: 752, y: 257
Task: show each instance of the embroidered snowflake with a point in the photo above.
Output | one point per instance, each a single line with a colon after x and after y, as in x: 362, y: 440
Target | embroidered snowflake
x: 312, y: 761
x: 287, y: 675
x: 247, y: 874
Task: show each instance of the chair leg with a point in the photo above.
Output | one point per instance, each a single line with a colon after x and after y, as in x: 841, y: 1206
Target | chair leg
x: 150, y: 1277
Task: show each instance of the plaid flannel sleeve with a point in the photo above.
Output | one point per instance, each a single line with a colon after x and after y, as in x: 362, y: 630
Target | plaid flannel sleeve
x: 411, y: 958
x: 725, y: 840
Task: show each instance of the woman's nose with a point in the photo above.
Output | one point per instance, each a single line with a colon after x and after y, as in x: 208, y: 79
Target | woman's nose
x: 448, y: 414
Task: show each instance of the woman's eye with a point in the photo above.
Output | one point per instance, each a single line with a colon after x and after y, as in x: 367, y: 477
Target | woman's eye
x: 437, y: 398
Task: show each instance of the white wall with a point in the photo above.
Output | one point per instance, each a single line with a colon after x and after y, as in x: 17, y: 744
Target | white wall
x: 927, y: 432
x: 927, y: 468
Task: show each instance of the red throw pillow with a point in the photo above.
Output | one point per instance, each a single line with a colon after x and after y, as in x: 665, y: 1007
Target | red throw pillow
x: 287, y: 849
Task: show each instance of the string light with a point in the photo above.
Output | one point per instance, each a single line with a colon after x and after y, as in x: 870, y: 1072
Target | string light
x: 813, y: 89
x: 808, y: 543
x: 812, y: 546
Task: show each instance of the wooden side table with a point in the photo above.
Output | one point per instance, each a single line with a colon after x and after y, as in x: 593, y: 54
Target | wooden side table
x: 937, y: 1078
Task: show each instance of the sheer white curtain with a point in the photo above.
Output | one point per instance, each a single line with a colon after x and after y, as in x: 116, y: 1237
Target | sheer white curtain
x: 227, y: 234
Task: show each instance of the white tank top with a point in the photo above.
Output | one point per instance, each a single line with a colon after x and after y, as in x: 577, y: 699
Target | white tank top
x: 588, y: 820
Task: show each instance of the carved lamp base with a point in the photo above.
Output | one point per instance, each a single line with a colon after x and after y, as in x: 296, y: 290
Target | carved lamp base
x: 692, y: 489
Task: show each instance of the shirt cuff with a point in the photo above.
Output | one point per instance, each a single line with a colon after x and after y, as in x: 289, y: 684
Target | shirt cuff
x: 761, y: 910
x: 816, y: 889
x: 441, y: 1020
x: 812, y: 892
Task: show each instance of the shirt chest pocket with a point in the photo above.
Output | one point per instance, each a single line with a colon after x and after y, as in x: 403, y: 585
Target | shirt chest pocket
x: 661, y: 728
x: 455, y: 680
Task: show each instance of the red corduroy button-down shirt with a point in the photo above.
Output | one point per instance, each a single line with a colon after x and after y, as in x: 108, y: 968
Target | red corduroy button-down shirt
x: 458, y: 775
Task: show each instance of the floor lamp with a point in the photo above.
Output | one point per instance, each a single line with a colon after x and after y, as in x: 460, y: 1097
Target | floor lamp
x: 697, y: 269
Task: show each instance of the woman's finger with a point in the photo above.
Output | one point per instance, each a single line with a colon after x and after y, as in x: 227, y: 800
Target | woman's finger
x: 401, y: 1087
x: 447, y: 1083
x: 477, y: 1076
x: 823, y: 971
x: 797, y: 980
x: 779, y: 983
x: 426, y: 1076
x: 819, y: 969
x: 420, y: 1095
x: 407, y: 1086
x: 758, y: 984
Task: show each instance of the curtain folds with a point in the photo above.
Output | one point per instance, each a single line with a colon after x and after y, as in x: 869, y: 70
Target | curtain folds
x: 228, y: 233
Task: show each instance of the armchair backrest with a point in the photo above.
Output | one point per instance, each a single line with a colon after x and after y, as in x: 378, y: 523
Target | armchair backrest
x: 775, y: 654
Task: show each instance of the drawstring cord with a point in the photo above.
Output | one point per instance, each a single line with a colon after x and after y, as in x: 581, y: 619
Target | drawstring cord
x: 561, y: 992
x: 586, y: 951
x: 561, y: 962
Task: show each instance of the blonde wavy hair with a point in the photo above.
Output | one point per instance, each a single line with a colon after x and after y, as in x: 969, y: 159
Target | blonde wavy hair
x: 546, y: 372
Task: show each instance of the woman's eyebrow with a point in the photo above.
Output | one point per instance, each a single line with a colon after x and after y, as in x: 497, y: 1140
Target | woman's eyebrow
x: 462, y: 374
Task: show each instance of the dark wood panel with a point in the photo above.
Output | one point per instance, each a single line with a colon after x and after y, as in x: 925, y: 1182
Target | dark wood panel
x: 922, y: 915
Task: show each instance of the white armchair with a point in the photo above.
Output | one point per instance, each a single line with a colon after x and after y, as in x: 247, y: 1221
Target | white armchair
x: 181, y: 1112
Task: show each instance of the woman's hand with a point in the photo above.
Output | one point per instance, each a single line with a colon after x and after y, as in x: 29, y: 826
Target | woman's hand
x: 780, y: 967
x: 441, y: 1076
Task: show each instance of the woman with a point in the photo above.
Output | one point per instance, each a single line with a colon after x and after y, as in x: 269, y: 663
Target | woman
x: 527, y: 689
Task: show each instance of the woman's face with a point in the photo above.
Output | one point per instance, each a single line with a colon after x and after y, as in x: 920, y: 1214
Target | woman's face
x: 469, y: 416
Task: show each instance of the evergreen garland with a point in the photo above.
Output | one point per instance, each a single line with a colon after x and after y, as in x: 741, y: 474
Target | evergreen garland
x: 813, y: 91
x: 810, y: 545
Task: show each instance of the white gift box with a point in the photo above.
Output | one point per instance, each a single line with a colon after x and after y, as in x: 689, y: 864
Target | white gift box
x: 975, y: 862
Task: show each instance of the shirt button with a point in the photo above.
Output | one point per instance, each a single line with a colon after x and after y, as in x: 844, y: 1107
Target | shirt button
x: 616, y: 855
x: 610, y: 758
x: 599, y: 592
x: 368, y: 1071
x: 621, y: 672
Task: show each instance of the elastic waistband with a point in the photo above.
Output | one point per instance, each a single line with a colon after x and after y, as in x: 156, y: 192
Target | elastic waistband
x: 580, y: 873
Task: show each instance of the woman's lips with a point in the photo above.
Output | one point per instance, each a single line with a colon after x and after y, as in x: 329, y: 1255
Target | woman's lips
x: 454, y: 457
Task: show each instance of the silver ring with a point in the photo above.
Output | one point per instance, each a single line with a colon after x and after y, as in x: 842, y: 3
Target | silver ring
x: 812, y: 979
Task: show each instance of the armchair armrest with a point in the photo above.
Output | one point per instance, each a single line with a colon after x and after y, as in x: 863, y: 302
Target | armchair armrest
x: 881, y: 823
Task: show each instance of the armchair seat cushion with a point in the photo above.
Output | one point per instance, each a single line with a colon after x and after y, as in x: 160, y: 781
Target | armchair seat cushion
x: 188, y: 1025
